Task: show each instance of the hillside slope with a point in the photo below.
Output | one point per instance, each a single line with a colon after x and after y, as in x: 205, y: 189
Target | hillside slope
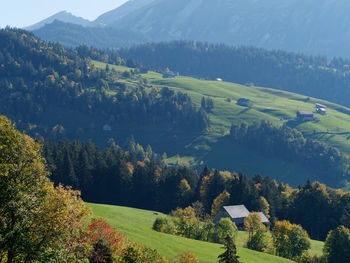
x: 137, y: 224
x: 268, y: 104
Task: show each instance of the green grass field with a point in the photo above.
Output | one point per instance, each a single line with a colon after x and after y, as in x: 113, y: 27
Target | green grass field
x: 137, y: 225
x: 268, y: 104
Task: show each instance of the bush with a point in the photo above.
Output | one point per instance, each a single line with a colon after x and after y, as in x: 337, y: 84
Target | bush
x: 259, y: 241
x: 162, y: 224
x: 225, y: 227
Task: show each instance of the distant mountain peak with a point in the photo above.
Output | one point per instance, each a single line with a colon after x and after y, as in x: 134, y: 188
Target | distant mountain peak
x: 62, y: 16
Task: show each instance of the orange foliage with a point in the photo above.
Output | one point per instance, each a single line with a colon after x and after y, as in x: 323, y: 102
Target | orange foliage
x: 187, y: 257
x: 99, y: 229
x: 130, y: 167
x: 142, y: 164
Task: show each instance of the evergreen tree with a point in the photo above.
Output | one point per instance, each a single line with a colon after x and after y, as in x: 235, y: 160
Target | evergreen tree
x: 230, y: 255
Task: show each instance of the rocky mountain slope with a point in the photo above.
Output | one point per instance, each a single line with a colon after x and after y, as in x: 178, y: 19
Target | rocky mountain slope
x: 62, y: 16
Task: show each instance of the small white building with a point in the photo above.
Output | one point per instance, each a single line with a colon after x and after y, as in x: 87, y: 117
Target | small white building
x: 106, y: 127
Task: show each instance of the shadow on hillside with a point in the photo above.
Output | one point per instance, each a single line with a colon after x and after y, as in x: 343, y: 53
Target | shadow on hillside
x: 244, y: 110
x: 227, y: 155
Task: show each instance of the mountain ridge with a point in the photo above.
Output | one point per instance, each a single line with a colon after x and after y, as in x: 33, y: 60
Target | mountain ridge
x: 62, y: 16
x: 297, y: 26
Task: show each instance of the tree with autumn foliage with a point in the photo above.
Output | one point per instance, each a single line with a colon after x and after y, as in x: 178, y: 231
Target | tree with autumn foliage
x: 221, y: 200
x: 102, y: 235
x: 133, y: 252
x: 186, y: 222
x: 290, y: 240
x: 37, y: 221
x: 187, y: 257
x: 253, y: 223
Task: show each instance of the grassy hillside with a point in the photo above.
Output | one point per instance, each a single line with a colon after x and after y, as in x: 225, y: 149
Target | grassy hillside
x: 268, y: 104
x: 137, y: 224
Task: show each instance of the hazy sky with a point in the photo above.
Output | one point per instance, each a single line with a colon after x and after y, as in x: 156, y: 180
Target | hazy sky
x: 21, y: 13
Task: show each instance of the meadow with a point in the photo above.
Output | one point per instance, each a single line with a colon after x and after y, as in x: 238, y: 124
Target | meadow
x: 137, y: 225
x: 211, y: 147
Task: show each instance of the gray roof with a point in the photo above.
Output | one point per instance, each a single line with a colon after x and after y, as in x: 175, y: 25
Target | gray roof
x: 263, y: 217
x: 237, y: 211
x: 305, y: 112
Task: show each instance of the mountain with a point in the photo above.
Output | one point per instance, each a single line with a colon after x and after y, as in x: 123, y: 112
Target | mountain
x: 128, y: 8
x: 318, y: 27
x: 63, y: 16
x: 72, y: 35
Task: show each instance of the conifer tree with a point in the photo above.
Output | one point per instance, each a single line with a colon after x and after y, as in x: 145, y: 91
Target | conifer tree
x: 230, y: 255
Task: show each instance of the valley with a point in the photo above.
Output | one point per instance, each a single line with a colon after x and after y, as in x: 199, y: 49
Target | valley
x: 211, y: 147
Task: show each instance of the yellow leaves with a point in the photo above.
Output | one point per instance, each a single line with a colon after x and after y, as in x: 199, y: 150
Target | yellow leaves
x: 221, y: 200
x: 130, y: 168
x: 44, y: 216
x: 226, y: 175
x: 184, y: 186
x: 187, y: 257
x: 253, y: 223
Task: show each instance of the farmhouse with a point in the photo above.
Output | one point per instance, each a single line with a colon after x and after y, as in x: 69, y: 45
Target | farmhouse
x: 321, y: 109
x: 169, y: 75
x: 305, y: 116
x: 237, y: 213
x: 317, y: 105
x: 244, y: 102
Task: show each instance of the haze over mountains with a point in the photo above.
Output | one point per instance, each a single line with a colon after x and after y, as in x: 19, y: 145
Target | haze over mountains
x: 63, y: 16
x: 316, y: 27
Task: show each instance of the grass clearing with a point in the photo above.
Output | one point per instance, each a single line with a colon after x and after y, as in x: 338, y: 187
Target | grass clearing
x: 268, y: 104
x: 137, y: 225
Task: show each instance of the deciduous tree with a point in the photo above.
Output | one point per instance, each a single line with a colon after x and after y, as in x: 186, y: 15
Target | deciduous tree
x: 337, y: 245
x: 37, y: 221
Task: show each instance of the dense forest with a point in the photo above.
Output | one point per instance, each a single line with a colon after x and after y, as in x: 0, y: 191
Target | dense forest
x: 114, y: 176
x: 289, y: 144
x: 58, y: 93
x: 307, y: 75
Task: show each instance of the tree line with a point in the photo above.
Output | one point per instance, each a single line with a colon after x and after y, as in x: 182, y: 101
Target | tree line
x: 115, y: 176
x: 289, y: 144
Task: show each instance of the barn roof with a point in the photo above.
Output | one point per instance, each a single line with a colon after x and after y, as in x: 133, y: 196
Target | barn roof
x: 305, y: 112
x: 263, y: 217
x: 237, y: 211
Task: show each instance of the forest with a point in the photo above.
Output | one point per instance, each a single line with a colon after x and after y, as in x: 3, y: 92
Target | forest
x: 58, y: 93
x: 115, y: 176
x: 286, y: 143
x: 308, y: 75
